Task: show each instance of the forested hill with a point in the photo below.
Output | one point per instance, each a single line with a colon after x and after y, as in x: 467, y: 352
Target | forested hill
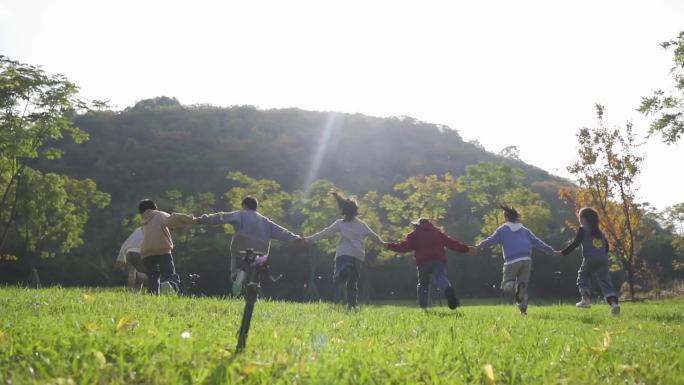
x: 159, y: 145
x: 161, y: 149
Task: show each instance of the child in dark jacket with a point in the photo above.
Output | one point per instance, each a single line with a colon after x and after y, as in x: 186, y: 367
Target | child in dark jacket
x: 517, y: 242
x: 429, y: 242
x: 594, y: 261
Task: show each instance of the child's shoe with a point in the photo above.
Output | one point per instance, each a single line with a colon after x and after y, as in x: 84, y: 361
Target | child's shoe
x: 614, y: 305
x: 585, y: 303
x: 523, y: 311
x: 452, y: 300
x: 615, y: 309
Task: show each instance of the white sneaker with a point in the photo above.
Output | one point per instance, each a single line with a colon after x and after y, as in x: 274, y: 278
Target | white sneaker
x: 615, y: 309
x: 167, y: 288
x: 585, y: 303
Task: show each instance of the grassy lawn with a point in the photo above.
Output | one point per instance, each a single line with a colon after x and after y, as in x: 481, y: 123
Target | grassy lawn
x: 86, y: 336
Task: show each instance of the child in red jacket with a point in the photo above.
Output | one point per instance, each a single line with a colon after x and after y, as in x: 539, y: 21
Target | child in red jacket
x: 429, y: 242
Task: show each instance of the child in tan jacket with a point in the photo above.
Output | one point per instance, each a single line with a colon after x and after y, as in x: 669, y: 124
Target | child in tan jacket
x: 157, y: 245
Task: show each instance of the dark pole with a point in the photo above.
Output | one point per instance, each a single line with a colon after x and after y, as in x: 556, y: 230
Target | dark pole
x: 557, y: 275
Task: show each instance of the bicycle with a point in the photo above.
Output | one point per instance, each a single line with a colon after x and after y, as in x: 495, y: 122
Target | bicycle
x: 257, y: 269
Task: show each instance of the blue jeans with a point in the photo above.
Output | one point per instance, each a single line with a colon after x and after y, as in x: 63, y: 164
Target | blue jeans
x: 160, y: 268
x: 436, y: 270
x: 599, y: 269
x: 348, y: 271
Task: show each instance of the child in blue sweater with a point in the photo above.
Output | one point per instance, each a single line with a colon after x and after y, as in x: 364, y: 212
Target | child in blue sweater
x: 517, y: 242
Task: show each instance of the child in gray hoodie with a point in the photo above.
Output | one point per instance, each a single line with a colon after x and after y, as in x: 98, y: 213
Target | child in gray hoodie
x: 252, y: 231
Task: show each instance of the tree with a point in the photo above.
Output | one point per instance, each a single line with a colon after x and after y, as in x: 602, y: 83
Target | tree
x: 318, y: 210
x: 271, y: 198
x: 420, y: 197
x: 674, y: 220
x: 668, y: 107
x: 511, y: 152
x: 196, y: 204
x: 606, y: 170
x: 532, y: 209
x: 35, y: 110
x: 51, y: 218
x: 485, y: 183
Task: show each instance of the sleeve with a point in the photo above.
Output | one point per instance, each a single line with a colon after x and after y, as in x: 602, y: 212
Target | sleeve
x: 493, y: 239
x: 326, y: 233
x: 220, y: 218
x: 453, y: 244
x: 280, y: 233
x: 178, y: 220
x: 541, y: 245
x: 404, y: 246
x: 576, y: 242
x: 372, y: 234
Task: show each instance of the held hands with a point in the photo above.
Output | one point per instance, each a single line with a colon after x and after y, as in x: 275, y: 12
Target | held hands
x: 473, y: 250
x: 558, y: 253
x: 299, y: 240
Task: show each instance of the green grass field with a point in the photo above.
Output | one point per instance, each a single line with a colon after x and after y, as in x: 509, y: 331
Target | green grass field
x: 85, y: 336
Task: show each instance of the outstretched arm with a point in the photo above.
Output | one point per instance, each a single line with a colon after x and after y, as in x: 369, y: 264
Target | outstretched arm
x: 541, y: 245
x: 282, y: 234
x: 219, y: 218
x: 576, y: 242
x: 373, y: 235
x: 453, y: 244
x: 402, y: 247
x: 178, y: 220
x: 326, y: 233
x: 493, y: 239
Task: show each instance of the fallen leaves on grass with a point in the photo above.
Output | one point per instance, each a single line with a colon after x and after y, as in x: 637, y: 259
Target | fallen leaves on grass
x: 489, y: 374
x: 126, y: 323
x: 100, y: 358
x: 91, y: 327
x: 254, y: 366
x: 602, y: 345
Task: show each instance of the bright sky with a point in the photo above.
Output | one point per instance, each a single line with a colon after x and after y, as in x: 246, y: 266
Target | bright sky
x: 524, y: 73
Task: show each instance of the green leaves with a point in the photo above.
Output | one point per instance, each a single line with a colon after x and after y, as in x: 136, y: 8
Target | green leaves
x: 667, y: 109
x: 51, y: 219
x: 271, y: 198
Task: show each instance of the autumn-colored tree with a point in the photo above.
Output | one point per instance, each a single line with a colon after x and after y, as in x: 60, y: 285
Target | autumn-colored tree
x: 606, y: 171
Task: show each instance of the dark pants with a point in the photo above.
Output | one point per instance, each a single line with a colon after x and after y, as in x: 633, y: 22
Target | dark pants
x: 160, y: 268
x: 436, y: 270
x: 599, y: 268
x: 348, y: 271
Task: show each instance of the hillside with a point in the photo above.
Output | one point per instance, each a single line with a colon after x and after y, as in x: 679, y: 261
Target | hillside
x: 160, y: 145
